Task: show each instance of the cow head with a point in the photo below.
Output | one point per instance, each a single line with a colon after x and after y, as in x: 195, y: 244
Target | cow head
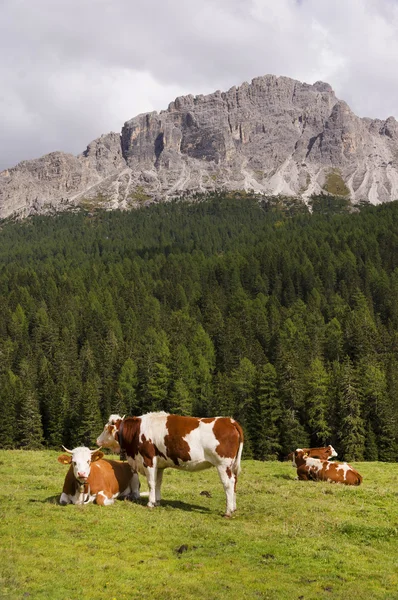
x: 107, y: 439
x: 81, y: 459
x: 299, y: 457
x: 333, y: 452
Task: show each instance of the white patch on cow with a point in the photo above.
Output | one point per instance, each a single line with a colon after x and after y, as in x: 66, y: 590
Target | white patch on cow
x: 107, y: 501
x: 202, y: 445
x: 153, y: 426
x: 314, y: 462
x: 344, y: 467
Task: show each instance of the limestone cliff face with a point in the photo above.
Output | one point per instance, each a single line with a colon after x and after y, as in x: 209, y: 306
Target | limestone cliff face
x: 274, y: 136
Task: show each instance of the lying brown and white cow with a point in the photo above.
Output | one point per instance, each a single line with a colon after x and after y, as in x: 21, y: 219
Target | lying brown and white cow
x: 155, y: 441
x: 324, y: 453
x: 314, y: 469
x: 91, y: 478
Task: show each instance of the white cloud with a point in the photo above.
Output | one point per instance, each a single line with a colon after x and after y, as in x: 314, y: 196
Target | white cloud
x: 75, y: 69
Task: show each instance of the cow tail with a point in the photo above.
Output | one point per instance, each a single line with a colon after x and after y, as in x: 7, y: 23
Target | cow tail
x: 238, y: 456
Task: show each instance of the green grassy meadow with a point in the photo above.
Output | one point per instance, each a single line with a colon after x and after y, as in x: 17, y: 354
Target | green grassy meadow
x: 289, y: 540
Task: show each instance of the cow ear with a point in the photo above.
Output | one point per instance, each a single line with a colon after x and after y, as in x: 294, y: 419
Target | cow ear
x: 64, y: 459
x: 97, y: 456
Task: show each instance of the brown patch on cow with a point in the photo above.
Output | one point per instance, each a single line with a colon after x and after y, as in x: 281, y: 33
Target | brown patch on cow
x: 131, y: 435
x: 178, y: 427
x: 229, y: 435
x: 229, y: 472
x: 147, y: 451
x: 208, y: 419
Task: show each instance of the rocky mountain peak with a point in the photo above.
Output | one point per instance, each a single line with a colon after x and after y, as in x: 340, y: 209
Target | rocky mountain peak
x: 274, y: 135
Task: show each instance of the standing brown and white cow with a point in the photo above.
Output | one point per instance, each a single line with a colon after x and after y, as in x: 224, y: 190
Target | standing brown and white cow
x: 91, y: 479
x: 323, y: 470
x: 155, y: 441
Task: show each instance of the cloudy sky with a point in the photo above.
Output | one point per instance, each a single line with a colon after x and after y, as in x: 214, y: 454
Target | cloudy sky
x: 74, y: 69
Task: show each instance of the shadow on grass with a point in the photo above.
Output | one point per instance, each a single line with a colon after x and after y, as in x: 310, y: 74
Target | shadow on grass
x: 184, y: 506
x: 49, y: 500
x: 143, y: 502
x: 283, y: 476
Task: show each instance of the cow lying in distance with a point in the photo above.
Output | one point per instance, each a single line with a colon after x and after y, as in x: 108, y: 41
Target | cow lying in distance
x: 324, y: 453
x: 93, y: 479
x: 156, y: 441
x: 315, y: 469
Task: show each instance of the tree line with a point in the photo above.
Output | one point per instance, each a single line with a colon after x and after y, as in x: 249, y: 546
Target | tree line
x: 283, y: 318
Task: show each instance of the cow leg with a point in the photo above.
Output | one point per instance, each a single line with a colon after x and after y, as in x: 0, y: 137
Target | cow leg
x: 64, y: 499
x: 151, y: 477
x: 228, y: 481
x: 235, y: 484
x: 158, y: 492
x: 135, y: 487
x: 104, y: 499
x: 303, y: 474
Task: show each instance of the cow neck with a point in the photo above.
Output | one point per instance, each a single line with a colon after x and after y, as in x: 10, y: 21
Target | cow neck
x: 120, y: 437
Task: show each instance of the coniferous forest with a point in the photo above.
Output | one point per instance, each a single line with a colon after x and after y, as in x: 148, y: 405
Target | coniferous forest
x: 285, y: 319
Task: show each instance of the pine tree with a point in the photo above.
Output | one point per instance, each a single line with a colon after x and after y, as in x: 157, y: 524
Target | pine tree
x: 30, y: 430
x: 373, y: 389
x: 243, y: 387
x: 180, y: 399
x: 90, y: 422
x: 292, y: 432
x: 126, y: 402
x: 351, y: 430
x: 268, y: 444
x: 316, y: 401
x: 9, y: 400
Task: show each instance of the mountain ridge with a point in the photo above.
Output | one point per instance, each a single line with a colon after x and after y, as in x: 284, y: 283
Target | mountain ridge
x: 272, y: 136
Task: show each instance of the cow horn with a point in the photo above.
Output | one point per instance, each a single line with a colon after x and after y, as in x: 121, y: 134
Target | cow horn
x: 66, y: 450
x: 123, y: 417
x: 96, y: 450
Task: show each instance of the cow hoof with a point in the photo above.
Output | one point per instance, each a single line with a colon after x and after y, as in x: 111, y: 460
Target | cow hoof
x: 227, y: 516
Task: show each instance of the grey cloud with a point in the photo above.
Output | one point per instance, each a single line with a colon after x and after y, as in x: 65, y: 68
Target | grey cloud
x: 79, y: 68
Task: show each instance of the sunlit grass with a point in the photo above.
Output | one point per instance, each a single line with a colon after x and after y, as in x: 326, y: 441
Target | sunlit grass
x: 289, y: 540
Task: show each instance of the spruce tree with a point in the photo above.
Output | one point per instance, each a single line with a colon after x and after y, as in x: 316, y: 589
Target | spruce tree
x: 269, y: 415
x: 351, y: 430
x: 316, y: 403
x: 126, y: 402
x: 9, y: 401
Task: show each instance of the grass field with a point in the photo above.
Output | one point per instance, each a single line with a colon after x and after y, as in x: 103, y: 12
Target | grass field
x: 289, y: 540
